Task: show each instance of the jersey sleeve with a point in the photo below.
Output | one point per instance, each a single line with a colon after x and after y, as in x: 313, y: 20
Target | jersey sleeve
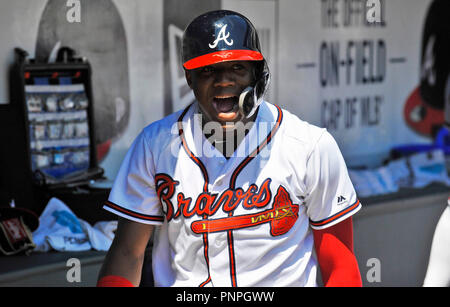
x: 133, y: 195
x: 330, y: 196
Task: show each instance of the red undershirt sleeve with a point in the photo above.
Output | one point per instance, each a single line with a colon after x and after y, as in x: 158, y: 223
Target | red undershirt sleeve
x: 334, y: 249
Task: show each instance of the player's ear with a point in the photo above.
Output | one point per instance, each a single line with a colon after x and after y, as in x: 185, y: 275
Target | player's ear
x: 188, y: 76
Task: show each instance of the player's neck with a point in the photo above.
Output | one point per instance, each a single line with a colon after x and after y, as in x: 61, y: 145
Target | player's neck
x: 228, y: 140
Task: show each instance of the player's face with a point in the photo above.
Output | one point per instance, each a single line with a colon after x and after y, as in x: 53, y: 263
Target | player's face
x: 217, y: 88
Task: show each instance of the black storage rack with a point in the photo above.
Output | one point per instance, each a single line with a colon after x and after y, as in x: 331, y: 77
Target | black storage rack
x: 47, y: 129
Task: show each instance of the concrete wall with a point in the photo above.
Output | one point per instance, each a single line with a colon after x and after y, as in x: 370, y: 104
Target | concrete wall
x: 399, y: 234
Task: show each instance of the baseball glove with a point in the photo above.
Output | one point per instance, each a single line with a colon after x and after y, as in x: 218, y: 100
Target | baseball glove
x: 16, y: 226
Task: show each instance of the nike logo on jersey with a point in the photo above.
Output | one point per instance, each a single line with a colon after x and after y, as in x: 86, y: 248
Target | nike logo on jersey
x: 281, y: 216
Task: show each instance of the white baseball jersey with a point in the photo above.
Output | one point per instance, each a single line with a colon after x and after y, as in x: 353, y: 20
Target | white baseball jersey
x: 242, y: 221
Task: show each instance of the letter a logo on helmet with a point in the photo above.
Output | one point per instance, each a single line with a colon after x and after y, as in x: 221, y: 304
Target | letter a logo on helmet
x: 222, y: 36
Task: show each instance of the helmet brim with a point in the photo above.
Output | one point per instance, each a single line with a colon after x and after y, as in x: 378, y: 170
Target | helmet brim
x: 223, y: 56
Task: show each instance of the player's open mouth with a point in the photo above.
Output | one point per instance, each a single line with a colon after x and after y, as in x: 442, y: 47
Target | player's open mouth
x: 226, y: 103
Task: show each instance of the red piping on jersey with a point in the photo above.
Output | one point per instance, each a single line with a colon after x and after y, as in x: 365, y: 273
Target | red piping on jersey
x: 205, y: 186
x: 205, y: 244
x: 189, y: 153
x: 258, y: 149
x: 335, y: 216
x: 232, y: 187
x: 134, y: 214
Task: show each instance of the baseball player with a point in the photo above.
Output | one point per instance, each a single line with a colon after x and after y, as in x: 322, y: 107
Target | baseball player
x: 235, y: 190
x: 438, y: 269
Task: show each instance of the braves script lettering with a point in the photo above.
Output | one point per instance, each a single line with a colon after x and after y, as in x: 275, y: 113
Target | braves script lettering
x: 281, y: 216
x: 207, y: 204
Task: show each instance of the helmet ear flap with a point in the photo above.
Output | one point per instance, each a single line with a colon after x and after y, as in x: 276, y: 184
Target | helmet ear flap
x: 252, y: 97
x: 247, y: 101
x: 262, y: 82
